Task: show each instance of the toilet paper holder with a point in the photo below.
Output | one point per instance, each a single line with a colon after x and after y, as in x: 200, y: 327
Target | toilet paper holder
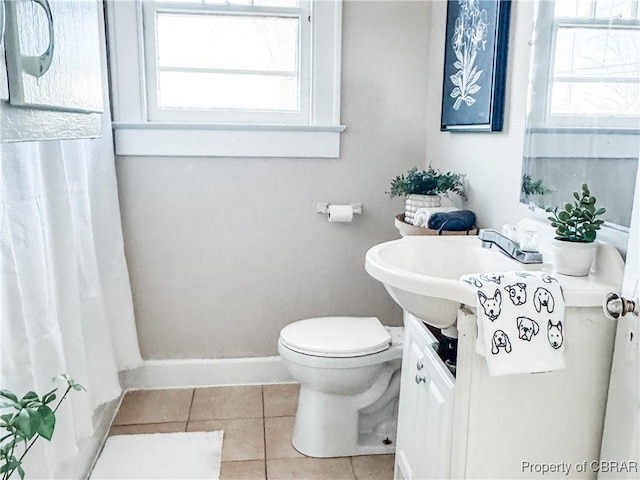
x: 323, y: 207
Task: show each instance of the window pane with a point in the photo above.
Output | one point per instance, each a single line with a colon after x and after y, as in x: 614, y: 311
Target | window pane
x: 619, y: 99
x: 590, y: 52
x: 225, y: 91
x: 572, y: 8
x: 615, y: 8
x: 276, y: 3
x: 227, y: 42
x: 258, y: 3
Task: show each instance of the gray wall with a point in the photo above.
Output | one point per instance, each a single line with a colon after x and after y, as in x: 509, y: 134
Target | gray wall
x: 223, y: 252
x: 492, y: 161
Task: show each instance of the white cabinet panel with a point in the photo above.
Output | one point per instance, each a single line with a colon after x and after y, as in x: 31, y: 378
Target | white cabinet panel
x: 53, y: 54
x: 426, y: 409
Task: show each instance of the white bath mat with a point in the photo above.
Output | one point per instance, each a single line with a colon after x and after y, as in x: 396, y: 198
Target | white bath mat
x: 161, y: 456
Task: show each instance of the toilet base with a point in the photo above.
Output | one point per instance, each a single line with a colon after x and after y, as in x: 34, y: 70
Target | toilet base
x: 329, y: 425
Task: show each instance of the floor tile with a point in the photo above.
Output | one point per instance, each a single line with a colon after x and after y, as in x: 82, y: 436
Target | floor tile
x: 310, y: 469
x: 243, y: 438
x: 169, y: 427
x: 154, y: 406
x: 281, y: 400
x: 373, y: 467
x: 219, y: 403
x: 249, y: 470
x: 277, y: 434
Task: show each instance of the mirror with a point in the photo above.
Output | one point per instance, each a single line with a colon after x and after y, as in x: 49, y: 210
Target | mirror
x: 583, y: 110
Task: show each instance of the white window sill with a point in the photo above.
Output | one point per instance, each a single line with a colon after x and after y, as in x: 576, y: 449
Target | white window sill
x: 229, y: 140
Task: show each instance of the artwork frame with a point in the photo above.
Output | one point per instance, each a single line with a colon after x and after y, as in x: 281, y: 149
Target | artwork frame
x: 475, y: 65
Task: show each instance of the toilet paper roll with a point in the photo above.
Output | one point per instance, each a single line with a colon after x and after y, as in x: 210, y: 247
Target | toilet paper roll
x: 340, y: 213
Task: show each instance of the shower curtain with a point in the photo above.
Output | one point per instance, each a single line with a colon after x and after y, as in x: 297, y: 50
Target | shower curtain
x: 65, y: 298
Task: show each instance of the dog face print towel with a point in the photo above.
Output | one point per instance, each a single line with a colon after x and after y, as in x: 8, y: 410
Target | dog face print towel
x: 520, y: 321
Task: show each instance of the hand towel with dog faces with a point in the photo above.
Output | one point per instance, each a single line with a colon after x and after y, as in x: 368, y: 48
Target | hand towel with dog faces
x: 520, y: 321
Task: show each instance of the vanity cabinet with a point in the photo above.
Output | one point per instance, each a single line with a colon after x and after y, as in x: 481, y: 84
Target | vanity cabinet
x: 51, y: 71
x: 478, y: 426
x: 426, y: 406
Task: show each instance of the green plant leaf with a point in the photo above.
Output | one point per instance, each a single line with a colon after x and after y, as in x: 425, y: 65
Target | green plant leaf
x: 576, y: 196
x: 20, y: 472
x: 35, y: 420
x: 9, y: 466
x: 590, y: 235
x: 49, y: 397
x: 24, y: 423
x: 46, y: 427
x: 30, y: 395
x: 564, y: 216
x: 9, y: 395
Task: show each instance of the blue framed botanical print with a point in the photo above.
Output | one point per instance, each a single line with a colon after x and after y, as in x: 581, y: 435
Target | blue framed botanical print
x: 475, y: 65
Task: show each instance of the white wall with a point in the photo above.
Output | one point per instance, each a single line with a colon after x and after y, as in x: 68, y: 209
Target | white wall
x: 492, y: 161
x: 223, y: 252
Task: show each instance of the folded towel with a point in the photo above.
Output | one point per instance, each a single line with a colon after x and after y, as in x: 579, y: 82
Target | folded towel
x: 520, y: 321
x: 458, y: 221
x: 421, y: 217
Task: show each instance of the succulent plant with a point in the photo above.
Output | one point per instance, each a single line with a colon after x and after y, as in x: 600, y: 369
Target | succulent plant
x: 577, y: 221
x: 426, y: 182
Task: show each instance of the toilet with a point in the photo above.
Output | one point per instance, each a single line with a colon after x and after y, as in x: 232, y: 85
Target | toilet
x: 349, y: 374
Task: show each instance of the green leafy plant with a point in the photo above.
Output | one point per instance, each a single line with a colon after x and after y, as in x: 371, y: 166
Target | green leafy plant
x: 30, y: 418
x: 534, y: 187
x: 577, y: 221
x: 426, y: 182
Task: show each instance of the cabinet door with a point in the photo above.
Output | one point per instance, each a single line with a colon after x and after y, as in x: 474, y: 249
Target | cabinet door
x: 53, y: 54
x: 412, y: 416
x: 438, y: 405
x: 425, y: 409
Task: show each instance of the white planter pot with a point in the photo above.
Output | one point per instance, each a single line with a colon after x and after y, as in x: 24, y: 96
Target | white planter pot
x: 574, y: 258
x: 415, y: 202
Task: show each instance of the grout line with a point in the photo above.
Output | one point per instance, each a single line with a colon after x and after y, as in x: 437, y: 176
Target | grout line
x: 264, y: 432
x: 193, y: 395
x: 353, y: 469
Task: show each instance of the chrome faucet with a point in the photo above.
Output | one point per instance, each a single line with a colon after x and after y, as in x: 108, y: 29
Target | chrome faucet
x: 508, y: 246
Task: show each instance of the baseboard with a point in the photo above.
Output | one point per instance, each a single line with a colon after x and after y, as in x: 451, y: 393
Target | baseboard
x: 154, y: 374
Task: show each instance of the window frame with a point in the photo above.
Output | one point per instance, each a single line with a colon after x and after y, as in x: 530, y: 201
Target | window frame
x: 545, y: 33
x: 303, y: 64
x: 137, y: 132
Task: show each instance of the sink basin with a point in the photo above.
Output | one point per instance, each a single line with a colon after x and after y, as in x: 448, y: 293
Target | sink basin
x: 421, y: 273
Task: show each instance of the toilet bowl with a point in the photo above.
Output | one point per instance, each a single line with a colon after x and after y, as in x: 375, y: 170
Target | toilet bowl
x: 349, y: 374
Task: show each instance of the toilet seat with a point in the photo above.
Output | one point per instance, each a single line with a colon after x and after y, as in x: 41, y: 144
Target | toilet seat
x: 336, y: 337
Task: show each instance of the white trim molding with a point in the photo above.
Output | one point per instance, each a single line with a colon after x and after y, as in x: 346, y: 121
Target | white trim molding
x: 157, y: 374
x: 214, y: 140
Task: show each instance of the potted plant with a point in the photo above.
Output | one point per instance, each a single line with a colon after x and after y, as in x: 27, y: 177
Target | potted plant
x: 28, y: 418
x: 576, y: 230
x: 422, y: 189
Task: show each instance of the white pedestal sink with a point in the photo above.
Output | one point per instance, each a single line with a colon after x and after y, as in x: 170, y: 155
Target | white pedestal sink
x: 421, y: 274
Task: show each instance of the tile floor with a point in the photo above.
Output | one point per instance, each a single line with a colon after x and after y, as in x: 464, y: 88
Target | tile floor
x: 257, y: 423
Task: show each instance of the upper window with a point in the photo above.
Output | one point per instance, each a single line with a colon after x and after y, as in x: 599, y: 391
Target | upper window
x: 236, y: 66
x: 245, y: 60
x: 592, y: 77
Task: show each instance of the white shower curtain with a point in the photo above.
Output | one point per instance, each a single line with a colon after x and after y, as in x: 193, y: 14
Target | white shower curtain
x: 65, y: 298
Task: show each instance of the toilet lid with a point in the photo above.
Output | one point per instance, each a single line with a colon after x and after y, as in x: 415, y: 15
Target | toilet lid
x: 336, y: 336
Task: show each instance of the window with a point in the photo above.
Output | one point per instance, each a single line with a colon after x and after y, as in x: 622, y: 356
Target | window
x: 587, y: 64
x: 226, y: 78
